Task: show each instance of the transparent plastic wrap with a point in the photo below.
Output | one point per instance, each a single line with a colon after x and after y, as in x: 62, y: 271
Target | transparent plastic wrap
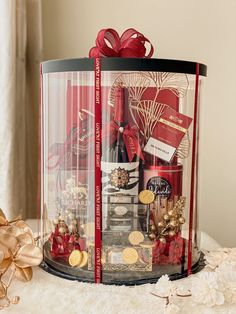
x: 149, y: 149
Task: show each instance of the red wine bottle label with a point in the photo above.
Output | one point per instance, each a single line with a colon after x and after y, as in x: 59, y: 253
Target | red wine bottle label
x: 120, y: 178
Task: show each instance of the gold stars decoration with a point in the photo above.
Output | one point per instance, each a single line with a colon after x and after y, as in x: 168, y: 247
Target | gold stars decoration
x: 18, y: 253
x: 168, y: 218
x: 119, y: 178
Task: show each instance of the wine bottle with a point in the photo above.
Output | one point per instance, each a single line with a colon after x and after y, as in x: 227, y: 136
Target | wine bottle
x: 118, y: 149
x: 120, y: 173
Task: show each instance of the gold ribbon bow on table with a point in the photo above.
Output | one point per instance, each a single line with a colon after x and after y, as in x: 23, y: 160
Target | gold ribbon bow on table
x: 18, y: 253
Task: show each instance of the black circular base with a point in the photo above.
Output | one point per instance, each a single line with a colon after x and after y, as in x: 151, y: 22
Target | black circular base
x: 195, y: 268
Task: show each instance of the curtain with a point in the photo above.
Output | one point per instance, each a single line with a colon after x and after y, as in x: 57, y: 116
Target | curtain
x: 20, y: 54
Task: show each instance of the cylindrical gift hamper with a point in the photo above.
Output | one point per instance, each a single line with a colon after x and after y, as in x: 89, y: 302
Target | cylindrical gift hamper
x: 119, y: 168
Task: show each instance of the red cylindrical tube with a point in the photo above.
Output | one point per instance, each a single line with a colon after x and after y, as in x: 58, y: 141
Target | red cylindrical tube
x: 165, y: 181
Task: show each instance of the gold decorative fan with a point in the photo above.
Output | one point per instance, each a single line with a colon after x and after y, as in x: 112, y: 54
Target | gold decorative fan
x: 135, y: 82
x: 176, y: 82
x: 148, y: 113
x: 183, y: 150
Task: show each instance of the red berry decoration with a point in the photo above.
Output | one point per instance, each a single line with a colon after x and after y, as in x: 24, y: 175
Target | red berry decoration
x: 63, y: 242
x: 170, y: 252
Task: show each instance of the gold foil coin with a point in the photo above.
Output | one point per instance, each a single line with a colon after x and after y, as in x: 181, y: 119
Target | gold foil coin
x: 130, y: 255
x: 146, y: 197
x: 135, y: 237
x: 84, y: 259
x: 75, y: 258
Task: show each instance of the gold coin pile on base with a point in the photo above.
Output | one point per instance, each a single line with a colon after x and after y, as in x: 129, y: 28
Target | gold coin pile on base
x: 78, y: 258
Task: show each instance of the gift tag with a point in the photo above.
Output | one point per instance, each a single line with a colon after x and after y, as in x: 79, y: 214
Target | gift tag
x: 170, y: 131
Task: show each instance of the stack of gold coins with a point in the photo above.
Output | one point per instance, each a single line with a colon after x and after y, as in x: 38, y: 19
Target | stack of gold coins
x: 78, y: 258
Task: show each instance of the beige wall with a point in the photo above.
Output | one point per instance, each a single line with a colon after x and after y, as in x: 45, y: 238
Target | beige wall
x: 202, y: 30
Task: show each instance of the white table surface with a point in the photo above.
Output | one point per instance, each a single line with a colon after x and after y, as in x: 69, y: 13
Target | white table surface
x: 46, y: 293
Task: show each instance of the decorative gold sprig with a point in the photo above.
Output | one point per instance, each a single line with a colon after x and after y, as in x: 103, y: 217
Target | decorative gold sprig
x: 168, y: 218
x: 18, y: 253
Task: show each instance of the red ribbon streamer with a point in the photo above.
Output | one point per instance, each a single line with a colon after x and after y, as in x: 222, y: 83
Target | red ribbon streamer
x: 129, y: 135
x: 193, y: 169
x: 131, y: 44
x: 108, y: 44
x: 97, y: 161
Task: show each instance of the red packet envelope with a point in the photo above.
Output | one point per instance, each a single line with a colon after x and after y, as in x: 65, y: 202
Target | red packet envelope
x: 170, y: 131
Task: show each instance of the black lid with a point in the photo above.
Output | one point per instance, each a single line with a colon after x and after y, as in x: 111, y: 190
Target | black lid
x: 124, y: 64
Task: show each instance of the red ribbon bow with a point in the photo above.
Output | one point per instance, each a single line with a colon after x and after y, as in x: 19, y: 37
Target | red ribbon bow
x: 131, y: 44
x: 129, y: 135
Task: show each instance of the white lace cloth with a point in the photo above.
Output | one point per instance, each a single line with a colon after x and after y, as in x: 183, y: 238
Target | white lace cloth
x: 49, y: 294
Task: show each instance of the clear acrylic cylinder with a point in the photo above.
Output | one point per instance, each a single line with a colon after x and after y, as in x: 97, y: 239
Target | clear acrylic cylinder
x: 149, y: 171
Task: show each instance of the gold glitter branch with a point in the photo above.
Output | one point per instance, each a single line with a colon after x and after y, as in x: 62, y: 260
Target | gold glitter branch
x: 168, y: 223
x: 18, y: 253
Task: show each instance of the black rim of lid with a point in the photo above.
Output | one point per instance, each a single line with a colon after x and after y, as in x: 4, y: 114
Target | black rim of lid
x: 124, y: 64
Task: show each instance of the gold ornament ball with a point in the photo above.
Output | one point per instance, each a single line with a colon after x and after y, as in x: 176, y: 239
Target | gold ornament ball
x: 171, y: 233
x: 152, y: 236
x: 62, y: 230
x: 153, y: 228
x: 170, y: 212
x: 173, y: 223
x: 162, y: 240
x: 166, y: 217
x: 71, y: 216
x: 182, y: 220
x: 74, y: 222
x: 61, y: 217
x: 161, y: 224
x: 70, y: 227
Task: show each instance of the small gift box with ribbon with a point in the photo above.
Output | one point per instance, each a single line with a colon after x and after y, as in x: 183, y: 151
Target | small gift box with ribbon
x: 119, y: 162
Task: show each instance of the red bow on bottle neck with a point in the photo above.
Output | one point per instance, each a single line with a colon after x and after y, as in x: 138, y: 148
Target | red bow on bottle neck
x: 129, y: 135
x: 131, y: 44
